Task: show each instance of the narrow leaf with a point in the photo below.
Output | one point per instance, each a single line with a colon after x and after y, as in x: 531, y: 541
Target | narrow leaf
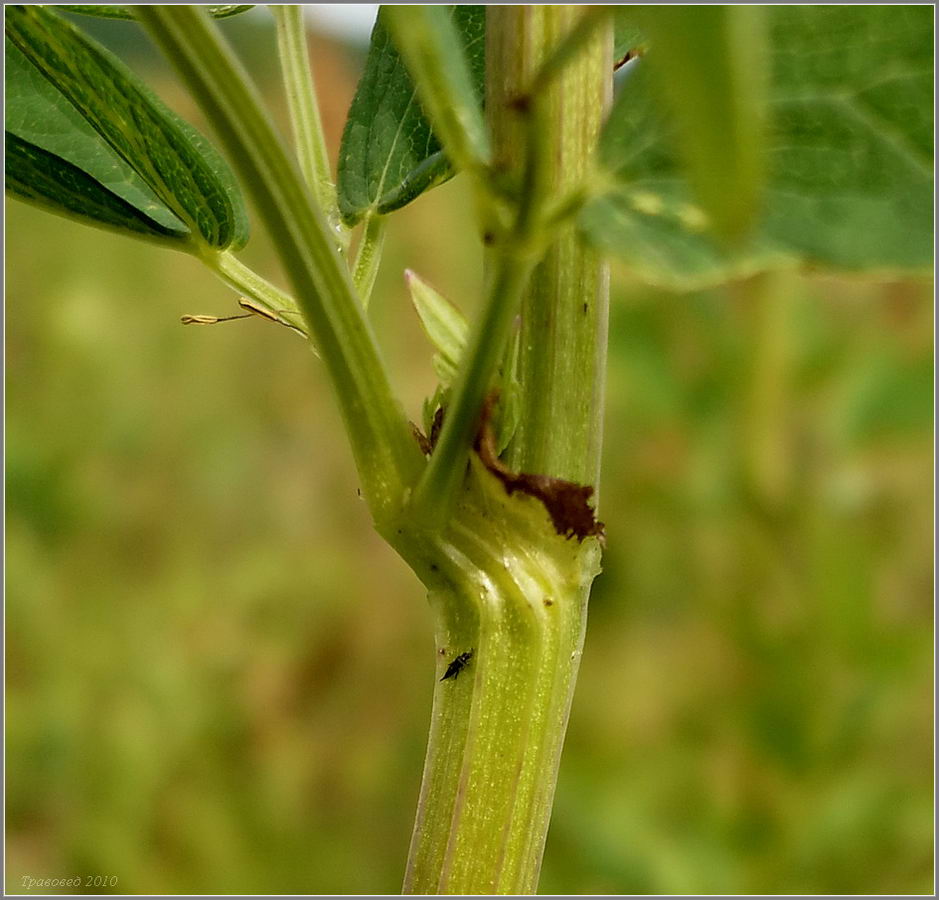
x: 849, y: 156
x: 443, y: 323
x: 175, y: 162
x: 127, y: 12
x: 389, y: 154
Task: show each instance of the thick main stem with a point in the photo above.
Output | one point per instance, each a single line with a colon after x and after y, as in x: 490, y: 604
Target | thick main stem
x: 504, y: 585
x: 563, y: 332
x: 512, y: 593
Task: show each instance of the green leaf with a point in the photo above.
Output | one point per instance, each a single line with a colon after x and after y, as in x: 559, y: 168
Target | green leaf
x: 52, y: 135
x: 626, y: 35
x: 389, y: 154
x: 432, y: 46
x: 710, y: 64
x: 74, y: 100
x: 443, y: 323
x: 41, y: 178
x: 127, y: 12
x: 849, y: 156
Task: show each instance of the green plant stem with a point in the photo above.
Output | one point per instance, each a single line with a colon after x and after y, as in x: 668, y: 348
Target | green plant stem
x: 304, y: 107
x: 506, y: 587
x: 502, y: 582
x: 246, y: 281
x: 567, y: 50
x: 368, y: 257
x: 765, y: 305
x: 564, y: 312
x: 434, y: 494
x: 386, y: 455
x: 428, y: 42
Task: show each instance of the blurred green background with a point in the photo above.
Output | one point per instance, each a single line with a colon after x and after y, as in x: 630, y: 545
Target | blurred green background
x: 219, y: 679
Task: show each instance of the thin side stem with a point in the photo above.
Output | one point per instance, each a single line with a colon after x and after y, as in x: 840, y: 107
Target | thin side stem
x: 368, y: 257
x: 303, y: 106
x: 427, y: 40
x: 433, y: 496
x: 246, y: 281
x: 387, y: 457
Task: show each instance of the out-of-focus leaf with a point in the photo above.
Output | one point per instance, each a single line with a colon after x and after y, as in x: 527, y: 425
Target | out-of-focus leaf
x: 389, y: 154
x: 710, y: 65
x: 443, y: 323
x: 72, y: 99
x: 40, y: 177
x: 626, y: 34
x: 127, y: 12
x: 849, y: 156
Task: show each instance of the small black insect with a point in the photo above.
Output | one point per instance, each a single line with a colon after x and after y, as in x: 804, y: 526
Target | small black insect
x: 457, y: 665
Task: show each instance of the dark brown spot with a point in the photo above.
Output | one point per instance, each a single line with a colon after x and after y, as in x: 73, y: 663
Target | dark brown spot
x: 489, y: 238
x: 520, y: 104
x: 632, y: 54
x: 566, y: 502
x: 585, y: 309
x: 435, y: 426
x: 422, y: 441
x: 548, y: 601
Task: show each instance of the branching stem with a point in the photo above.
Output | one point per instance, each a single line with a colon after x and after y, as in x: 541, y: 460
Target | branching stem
x: 387, y: 457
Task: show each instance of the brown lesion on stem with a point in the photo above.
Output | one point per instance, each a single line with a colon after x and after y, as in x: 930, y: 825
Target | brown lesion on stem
x: 567, y: 503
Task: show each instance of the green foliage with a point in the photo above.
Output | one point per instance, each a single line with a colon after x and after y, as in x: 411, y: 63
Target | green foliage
x: 38, y: 176
x: 626, y: 36
x: 389, y: 155
x: 443, y: 323
x: 710, y: 65
x: 764, y: 481
x: 71, y: 98
x: 431, y: 40
x: 55, y: 156
x: 849, y: 181
x: 127, y: 12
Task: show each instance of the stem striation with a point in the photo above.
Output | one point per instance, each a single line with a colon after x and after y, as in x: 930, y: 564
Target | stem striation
x: 304, y: 108
x: 565, y: 308
x: 504, y: 585
x: 512, y: 592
